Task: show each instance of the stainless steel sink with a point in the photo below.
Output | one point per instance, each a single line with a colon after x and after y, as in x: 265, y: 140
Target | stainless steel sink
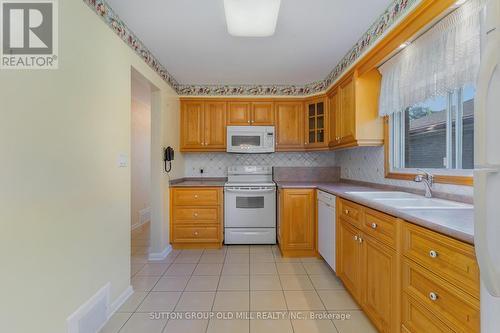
x: 402, y: 200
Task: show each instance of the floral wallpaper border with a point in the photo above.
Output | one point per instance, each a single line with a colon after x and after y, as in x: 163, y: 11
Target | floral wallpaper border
x: 396, y: 10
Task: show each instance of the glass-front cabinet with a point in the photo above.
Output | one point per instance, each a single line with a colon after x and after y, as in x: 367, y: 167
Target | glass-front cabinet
x: 316, y: 124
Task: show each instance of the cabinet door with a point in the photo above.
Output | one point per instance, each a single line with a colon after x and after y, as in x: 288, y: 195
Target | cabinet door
x: 299, y: 220
x: 238, y: 114
x: 348, y: 109
x: 289, y: 125
x: 380, y: 285
x: 192, y: 127
x: 334, y: 118
x: 215, y: 125
x: 262, y: 114
x: 349, y: 257
x: 316, y: 124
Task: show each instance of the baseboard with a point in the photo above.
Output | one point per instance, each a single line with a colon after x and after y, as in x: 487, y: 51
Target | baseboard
x: 120, y: 301
x: 96, y: 312
x: 141, y: 223
x: 161, y: 255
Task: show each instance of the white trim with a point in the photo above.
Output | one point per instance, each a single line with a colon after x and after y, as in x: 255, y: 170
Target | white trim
x: 145, y: 217
x: 161, y: 255
x: 74, y: 319
x: 117, y: 304
x: 120, y: 301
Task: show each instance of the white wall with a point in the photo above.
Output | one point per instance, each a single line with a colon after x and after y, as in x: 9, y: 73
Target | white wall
x: 64, y: 203
x: 140, y: 158
x: 367, y: 164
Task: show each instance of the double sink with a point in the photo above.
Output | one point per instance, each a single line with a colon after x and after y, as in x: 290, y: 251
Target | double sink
x: 403, y: 200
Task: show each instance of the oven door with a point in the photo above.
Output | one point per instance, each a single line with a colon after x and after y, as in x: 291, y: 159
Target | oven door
x: 250, y: 207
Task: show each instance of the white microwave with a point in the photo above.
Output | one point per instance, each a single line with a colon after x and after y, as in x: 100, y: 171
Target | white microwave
x: 250, y: 139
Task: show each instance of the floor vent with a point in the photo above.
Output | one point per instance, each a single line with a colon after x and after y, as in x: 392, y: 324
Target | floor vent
x: 92, y: 315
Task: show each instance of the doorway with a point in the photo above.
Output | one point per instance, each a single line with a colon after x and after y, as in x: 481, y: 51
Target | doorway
x: 140, y: 169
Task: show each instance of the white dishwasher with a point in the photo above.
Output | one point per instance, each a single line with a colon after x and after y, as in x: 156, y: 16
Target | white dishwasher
x: 326, y: 227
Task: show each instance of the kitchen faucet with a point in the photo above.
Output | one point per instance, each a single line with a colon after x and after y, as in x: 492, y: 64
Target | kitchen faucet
x: 426, y: 178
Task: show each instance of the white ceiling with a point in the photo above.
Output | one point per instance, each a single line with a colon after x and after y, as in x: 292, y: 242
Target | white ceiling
x: 190, y: 39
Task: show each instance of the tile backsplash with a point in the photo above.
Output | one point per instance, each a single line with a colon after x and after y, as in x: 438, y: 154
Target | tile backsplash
x: 215, y: 164
x: 367, y: 164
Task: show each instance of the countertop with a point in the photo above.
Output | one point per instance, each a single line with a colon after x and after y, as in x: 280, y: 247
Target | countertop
x: 458, y: 224
x: 198, y: 182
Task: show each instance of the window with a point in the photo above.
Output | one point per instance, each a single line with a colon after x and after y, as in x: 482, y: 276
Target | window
x: 435, y: 134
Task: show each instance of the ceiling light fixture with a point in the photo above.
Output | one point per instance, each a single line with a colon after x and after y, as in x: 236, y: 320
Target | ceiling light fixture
x: 251, y: 18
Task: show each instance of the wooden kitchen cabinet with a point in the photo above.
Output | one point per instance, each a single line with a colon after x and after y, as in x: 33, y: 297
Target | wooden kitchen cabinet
x: 349, y: 257
x: 289, y: 119
x: 238, y: 114
x: 259, y: 113
x: 192, y: 127
x: 380, y: 282
x: 297, y: 222
x: 196, y: 217
x: 203, y: 126
x: 215, y: 125
x: 368, y: 268
x: 353, y: 105
x: 262, y: 113
x: 316, y: 124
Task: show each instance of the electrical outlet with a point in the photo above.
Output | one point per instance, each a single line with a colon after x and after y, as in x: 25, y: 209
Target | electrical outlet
x: 201, y: 171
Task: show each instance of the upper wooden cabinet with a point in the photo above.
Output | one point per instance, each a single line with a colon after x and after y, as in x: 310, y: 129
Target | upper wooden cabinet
x: 317, y: 123
x: 289, y: 119
x: 262, y: 113
x: 238, y: 114
x: 203, y: 126
x: 353, y: 108
x: 250, y: 113
x: 192, y: 129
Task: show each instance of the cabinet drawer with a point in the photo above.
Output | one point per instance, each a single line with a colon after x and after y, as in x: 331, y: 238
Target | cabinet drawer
x: 351, y: 212
x: 210, y: 214
x: 196, y: 234
x: 416, y: 318
x: 452, y: 260
x: 454, y: 307
x: 381, y: 226
x: 196, y: 197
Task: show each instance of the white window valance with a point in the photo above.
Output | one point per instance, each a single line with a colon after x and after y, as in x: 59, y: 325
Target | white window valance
x: 444, y: 58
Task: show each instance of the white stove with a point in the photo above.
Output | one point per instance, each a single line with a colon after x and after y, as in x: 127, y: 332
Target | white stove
x: 250, y: 206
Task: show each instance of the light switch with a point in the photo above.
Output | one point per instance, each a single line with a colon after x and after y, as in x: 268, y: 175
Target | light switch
x: 122, y: 160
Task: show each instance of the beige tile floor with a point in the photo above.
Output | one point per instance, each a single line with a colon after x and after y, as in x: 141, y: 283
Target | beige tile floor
x: 250, y: 280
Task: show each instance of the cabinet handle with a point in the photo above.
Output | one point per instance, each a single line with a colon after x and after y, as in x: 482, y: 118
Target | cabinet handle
x: 433, y: 254
x: 249, y: 121
x: 347, y: 212
x: 196, y: 233
x: 196, y: 196
x: 360, y: 240
x: 433, y: 296
x: 355, y: 238
x: 374, y: 225
x: 195, y: 214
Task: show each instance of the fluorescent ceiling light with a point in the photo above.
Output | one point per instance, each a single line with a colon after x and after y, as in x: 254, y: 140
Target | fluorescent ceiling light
x: 251, y: 18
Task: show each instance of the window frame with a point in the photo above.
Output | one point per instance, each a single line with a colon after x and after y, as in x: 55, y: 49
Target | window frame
x: 394, y: 150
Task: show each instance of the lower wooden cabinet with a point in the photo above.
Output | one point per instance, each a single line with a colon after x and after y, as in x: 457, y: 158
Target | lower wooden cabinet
x: 369, y: 270
x: 406, y: 278
x: 297, y: 222
x: 349, y: 257
x: 196, y: 217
